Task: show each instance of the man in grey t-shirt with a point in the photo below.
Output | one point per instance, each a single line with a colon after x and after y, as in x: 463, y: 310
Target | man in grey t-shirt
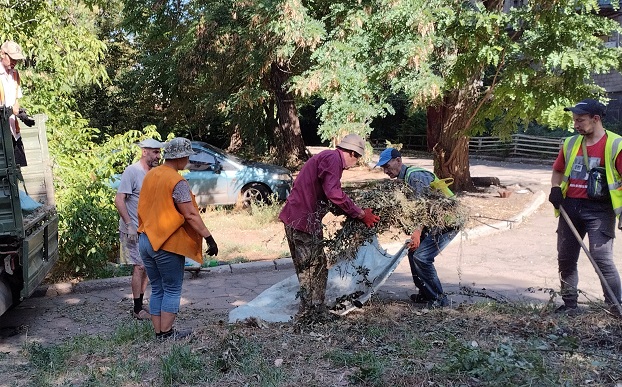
x: 126, y: 201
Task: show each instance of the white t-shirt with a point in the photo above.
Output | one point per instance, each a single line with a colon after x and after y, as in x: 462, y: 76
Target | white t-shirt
x: 12, y: 92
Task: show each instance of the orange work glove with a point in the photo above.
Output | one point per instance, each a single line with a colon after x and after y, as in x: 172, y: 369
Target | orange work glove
x: 369, y: 218
x: 415, y: 240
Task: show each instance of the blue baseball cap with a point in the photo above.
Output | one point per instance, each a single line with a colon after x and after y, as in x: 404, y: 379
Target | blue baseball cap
x: 388, y: 155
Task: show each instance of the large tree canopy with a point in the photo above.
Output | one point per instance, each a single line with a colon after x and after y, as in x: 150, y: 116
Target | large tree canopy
x: 226, y: 63
x: 470, y: 63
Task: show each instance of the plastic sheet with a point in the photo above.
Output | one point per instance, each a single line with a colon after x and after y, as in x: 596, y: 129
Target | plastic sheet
x: 350, y: 282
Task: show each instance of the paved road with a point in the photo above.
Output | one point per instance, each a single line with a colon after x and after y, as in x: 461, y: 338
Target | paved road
x: 501, y: 265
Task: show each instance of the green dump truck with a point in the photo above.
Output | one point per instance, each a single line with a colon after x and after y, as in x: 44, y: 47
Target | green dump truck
x: 28, y: 218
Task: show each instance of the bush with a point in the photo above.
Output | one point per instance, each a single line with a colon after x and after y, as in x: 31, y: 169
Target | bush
x: 88, y: 219
x: 88, y: 224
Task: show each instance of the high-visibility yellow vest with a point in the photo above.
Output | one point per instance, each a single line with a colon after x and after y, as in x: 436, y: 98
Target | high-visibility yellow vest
x: 439, y: 184
x: 614, y: 180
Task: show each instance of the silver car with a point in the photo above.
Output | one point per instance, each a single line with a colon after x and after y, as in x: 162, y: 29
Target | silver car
x: 218, y: 178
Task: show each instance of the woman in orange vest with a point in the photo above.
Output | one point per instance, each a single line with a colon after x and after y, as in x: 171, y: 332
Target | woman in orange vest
x: 170, y: 228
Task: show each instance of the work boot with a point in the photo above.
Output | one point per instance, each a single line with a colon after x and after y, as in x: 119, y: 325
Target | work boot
x: 570, y: 310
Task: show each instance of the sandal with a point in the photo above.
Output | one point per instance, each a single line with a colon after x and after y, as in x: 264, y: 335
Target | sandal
x: 142, y: 315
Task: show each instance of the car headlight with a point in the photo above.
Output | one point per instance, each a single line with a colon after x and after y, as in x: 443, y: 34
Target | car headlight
x: 281, y: 176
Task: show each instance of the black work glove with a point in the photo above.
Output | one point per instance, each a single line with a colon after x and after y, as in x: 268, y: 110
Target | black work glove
x: 26, y: 119
x: 212, y: 248
x: 556, y: 197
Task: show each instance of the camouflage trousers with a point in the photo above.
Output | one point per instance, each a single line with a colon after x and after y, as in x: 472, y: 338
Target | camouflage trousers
x: 311, y: 267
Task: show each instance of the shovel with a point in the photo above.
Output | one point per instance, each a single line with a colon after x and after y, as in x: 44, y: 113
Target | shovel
x: 587, y: 252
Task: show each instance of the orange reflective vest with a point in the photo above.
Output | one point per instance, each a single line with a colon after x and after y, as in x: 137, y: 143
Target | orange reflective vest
x: 158, y: 217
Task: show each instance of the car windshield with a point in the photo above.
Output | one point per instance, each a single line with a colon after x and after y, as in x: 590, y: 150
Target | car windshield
x: 225, y: 154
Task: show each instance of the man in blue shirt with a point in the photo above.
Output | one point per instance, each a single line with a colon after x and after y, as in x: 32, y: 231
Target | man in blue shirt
x: 426, y: 242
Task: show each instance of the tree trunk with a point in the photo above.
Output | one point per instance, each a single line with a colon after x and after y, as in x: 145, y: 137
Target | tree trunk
x: 448, y: 123
x: 434, y: 120
x: 235, y: 142
x: 287, y: 134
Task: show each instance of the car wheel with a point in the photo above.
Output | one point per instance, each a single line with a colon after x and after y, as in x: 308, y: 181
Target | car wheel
x: 254, y: 192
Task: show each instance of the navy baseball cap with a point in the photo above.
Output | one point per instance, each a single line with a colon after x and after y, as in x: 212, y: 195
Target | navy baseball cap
x: 587, y: 106
x: 388, y: 155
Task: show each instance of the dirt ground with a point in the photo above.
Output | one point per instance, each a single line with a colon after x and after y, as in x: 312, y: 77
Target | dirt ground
x: 485, y: 207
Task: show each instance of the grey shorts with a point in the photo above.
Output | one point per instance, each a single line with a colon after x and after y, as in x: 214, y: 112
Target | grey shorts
x: 128, y: 251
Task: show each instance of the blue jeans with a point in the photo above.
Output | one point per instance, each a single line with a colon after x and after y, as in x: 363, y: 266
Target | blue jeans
x: 166, y: 274
x: 597, y: 220
x: 421, y: 261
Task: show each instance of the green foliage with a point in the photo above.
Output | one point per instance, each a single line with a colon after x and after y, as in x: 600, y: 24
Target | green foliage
x: 208, y: 65
x: 533, y: 59
x: 504, y: 364
x: 88, y: 219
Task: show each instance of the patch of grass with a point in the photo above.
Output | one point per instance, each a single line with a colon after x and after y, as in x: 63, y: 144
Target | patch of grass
x: 384, y: 344
x: 257, y: 217
x: 247, y: 234
x: 133, y: 331
x: 236, y: 252
x: 48, y: 358
x: 237, y: 355
x: 507, y: 363
x: 182, y: 366
x: 368, y: 368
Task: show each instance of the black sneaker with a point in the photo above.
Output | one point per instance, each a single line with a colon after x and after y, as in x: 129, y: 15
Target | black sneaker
x: 419, y: 298
x: 567, y: 309
x: 173, y: 334
x: 440, y: 303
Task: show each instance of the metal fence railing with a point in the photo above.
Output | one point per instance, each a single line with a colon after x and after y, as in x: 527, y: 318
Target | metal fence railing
x: 518, y: 145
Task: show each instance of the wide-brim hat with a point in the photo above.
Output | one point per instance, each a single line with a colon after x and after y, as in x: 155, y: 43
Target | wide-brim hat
x: 177, y: 148
x: 353, y: 142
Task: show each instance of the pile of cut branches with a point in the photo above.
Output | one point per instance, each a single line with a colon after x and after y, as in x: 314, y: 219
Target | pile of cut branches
x: 398, y: 207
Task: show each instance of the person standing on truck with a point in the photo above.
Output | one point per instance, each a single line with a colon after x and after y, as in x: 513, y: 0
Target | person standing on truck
x: 170, y: 228
x: 318, y: 182
x: 126, y: 201
x: 425, y: 242
x: 11, y: 92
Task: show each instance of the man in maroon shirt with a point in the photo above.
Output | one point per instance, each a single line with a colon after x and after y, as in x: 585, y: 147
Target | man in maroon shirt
x: 318, y: 182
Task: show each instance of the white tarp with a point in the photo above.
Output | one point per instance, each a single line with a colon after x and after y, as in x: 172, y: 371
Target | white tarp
x: 347, y: 282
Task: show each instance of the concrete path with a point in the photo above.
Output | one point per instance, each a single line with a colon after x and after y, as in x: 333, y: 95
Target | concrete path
x: 504, y: 262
